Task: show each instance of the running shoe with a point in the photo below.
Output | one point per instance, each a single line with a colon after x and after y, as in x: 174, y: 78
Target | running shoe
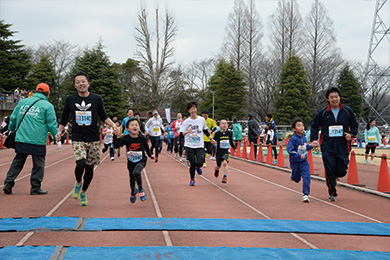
x: 305, y: 198
x: 181, y: 159
x: 112, y: 158
x: 365, y: 161
x: 119, y: 153
x: 76, y: 191
x: 83, y: 199
x: 192, y: 182
x: 204, y: 165
x: 188, y: 163
x: 224, y: 179
x: 198, y: 170
x: 156, y: 160
x: 332, y: 198
x: 274, y: 162
x: 216, y: 173
x: 133, y: 196
x: 176, y: 155
x: 142, y: 195
x: 371, y: 162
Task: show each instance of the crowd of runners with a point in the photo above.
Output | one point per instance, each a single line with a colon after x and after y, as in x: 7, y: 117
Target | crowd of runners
x: 190, y: 137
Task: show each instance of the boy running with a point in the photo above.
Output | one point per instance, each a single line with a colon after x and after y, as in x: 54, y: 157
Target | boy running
x: 297, y: 149
x: 224, y: 139
x: 193, y: 129
x: 136, y: 146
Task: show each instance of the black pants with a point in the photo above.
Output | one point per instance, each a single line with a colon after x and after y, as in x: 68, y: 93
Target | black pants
x: 17, y: 166
x: 196, y: 158
x: 336, y: 165
x: 155, y: 140
x: 135, y: 170
x: 178, y: 145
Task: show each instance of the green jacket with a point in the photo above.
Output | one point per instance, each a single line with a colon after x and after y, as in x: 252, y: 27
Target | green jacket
x: 40, y: 119
x: 237, y: 132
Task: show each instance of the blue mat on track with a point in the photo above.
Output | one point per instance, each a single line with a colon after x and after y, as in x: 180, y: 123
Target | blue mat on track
x: 196, y: 224
x: 204, y: 253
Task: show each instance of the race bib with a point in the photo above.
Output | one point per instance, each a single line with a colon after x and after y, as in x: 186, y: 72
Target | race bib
x: 302, y: 149
x: 194, y: 138
x: 108, y: 138
x: 156, y: 129
x: 83, y: 117
x: 134, y: 156
x: 371, y: 138
x: 170, y: 132
x: 336, y: 131
x: 224, y: 144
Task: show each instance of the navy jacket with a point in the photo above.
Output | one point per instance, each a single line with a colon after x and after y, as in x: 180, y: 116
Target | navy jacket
x: 324, y: 119
x: 292, y: 148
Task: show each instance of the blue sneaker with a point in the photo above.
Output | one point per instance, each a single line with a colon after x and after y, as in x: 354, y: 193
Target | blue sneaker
x: 199, y: 170
x: 133, y: 196
x: 192, y: 182
x: 274, y: 162
x: 142, y: 195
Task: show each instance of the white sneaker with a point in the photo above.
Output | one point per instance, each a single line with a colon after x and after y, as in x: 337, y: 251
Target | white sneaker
x: 181, y: 159
x: 305, y: 198
x: 176, y: 155
x: 212, y: 158
x: 371, y: 162
x: 112, y: 158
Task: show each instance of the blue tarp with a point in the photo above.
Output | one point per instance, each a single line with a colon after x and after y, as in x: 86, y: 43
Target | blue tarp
x: 204, y: 253
x: 196, y: 224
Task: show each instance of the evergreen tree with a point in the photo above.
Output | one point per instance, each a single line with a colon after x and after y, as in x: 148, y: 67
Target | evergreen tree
x: 103, y: 79
x: 351, y: 90
x: 293, y: 93
x: 14, y: 61
x: 228, y: 86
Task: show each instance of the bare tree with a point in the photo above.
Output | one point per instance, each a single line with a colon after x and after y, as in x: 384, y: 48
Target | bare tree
x: 236, y: 44
x: 155, y: 67
x: 321, y: 57
x: 286, y: 27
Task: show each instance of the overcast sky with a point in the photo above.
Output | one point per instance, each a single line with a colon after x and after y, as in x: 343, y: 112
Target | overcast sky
x: 201, y: 24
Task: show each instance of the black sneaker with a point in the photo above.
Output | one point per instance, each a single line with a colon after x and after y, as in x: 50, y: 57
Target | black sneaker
x: 332, y: 198
x: 216, y: 173
x: 7, y: 190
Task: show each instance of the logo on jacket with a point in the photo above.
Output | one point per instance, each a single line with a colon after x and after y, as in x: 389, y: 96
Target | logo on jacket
x: 83, y: 106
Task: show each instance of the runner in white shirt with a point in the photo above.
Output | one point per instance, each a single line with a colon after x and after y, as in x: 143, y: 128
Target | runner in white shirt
x: 155, y: 127
x: 192, y: 130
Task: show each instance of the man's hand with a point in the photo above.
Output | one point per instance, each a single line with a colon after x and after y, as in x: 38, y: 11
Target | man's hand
x: 116, y: 129
x: 347, y: 136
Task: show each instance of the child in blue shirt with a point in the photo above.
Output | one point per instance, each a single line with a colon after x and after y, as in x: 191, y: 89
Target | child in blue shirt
x: 297, y: 149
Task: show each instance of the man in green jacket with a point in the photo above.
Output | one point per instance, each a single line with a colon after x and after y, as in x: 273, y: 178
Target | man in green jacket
x: 31, y: 137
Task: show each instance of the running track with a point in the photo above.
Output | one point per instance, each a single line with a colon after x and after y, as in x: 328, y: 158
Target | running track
x: 252, y: 192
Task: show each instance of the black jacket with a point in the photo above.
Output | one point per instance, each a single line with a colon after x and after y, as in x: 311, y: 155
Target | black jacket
x: 252, y: 125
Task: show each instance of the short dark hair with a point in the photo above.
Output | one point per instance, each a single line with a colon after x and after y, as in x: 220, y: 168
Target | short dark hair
x: 129, y: 110
x: 268, y: 115
x: 191, y: 104
x: 332, y: 89
x: 131, y: 120
x: 234, y: 119
x: 295, y: 121
x: 137, y: 114
x: 80, y: 73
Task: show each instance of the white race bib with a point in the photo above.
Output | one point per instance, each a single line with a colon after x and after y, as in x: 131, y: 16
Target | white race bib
x: 84, y: 117
x: 302, y: 149
x: 134, y: 156
x: 224, y: 144
x: 336, y: 131
x: 194, y: 138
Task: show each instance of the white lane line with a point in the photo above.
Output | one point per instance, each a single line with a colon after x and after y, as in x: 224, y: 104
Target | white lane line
x: 167, y: 238
x: 27, y: 175
x: 251, y: 207
x: 311, y: 197
x: 29, y: 234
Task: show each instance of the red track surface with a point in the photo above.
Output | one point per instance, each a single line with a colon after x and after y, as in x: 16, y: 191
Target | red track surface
x: 252, y: 192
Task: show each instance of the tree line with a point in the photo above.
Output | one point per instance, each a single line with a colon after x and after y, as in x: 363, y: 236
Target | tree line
x: 287, y: 78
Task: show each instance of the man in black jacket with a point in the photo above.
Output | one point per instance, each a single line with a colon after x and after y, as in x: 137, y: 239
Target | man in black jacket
x: 338, y: 125
x: 252, y: 134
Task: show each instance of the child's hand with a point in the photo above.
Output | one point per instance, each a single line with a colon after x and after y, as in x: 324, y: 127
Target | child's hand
x: 303, y: 156
x: 315, y: 143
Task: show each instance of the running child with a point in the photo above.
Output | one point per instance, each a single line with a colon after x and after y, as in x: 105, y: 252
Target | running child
x: 224, y: 139
x: 108, y: 133
x: 136, y: 146
x: 297, y: 149
x: 193, y: 129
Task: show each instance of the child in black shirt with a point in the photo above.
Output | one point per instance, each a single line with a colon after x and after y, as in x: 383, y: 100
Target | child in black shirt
x: 136, y: 146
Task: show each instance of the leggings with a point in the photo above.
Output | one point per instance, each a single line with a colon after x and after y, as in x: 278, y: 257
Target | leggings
x: 81, y: 167
x: 196, y: 158
x: 135, y: 170
x: 155, y: 140
x: 178, y: 145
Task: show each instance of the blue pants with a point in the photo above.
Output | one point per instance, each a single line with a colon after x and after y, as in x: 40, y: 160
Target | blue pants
x: 301, y: 169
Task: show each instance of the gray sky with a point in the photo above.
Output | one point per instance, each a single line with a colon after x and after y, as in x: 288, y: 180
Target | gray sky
x: 201, y: 24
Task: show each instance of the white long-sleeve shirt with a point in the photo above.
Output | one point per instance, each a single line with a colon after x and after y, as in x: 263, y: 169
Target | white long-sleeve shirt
x: 154, y: 126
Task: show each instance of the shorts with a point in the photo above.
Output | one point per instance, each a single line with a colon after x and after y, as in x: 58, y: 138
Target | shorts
x: 221, y: 156
x: 87, y: 150
x: 371, y: 146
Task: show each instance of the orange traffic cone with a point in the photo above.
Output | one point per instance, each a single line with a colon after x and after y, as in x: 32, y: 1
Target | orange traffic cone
x: 244, y: 153
x: 269, y: 155
x: 286, y: 141
x: 2, y: 143
x: 238, y: 154
x: 101, y: 141
x: 310, y: 160
x: 47, y: 140
x: 384, y: 180
x: 260, y: 153
x: 231, y: 151
x: 67, y: 139
x: 280, y: 157
x: 252, y: 153
x: 353, y: 177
